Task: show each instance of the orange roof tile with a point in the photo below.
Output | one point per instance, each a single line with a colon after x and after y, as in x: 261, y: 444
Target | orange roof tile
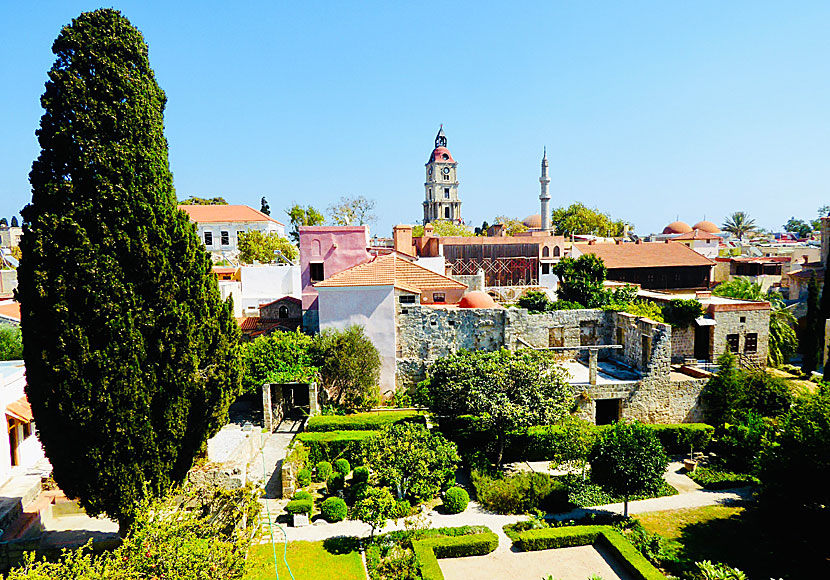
x: 10, y: 310
x: 645, y: 255
x: 391, y: 270
x: 20, y: 410
x: 697, y: 235
x: 225, y: 213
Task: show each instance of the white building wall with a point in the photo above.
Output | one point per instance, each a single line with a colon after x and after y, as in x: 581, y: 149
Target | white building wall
x: 29, y: 451
x: 372, y: 307
x: 233, y: 229
x: 435, y: 264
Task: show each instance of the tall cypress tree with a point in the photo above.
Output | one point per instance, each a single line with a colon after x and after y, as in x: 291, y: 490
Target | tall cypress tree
x: 131, y: 357
x: 824, y: 314
x: 810, y: 345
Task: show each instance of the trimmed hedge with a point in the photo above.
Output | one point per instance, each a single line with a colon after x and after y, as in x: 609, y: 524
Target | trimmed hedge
x: 335, y: 483
x: 342, y: 466
x: 372, y: 421
x: 299, y: 506
x: 331, y: 445
x: 456, y: 500
x: 334, y: 509
x: 360, y: 475
x: 714, y: 479
x: 302, y: 494
x: 608, y: 537
x: 428, y: 551
x: 304, y: 477
x: 678, y: 437
x: 323, y: 471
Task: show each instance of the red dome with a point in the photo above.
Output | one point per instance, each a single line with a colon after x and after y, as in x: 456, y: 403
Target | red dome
x: 477, y: 299
x: 707, y: 227
x: 677, y: 228
x: 441, y: 155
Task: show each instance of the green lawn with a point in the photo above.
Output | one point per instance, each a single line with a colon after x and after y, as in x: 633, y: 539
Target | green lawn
x: 334, y: 558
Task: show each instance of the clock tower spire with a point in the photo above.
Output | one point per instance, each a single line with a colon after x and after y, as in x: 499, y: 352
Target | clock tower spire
x: 441, y: 186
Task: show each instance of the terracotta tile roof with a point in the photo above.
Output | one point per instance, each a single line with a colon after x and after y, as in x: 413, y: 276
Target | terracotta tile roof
x: 697, y: 235
x: 20, y: 410
x: 645, y: 255
x: 248, y: 323
x: 391, y: 270
x: 10, y: 310
x: 225, y: 213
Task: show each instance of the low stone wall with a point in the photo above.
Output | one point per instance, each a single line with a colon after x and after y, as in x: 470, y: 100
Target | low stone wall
x: 682, y: 343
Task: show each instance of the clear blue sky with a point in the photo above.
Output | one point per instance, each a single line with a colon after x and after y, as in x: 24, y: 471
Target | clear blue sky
x: 649, y: 110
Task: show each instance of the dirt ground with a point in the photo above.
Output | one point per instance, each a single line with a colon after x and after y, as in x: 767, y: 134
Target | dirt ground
x: 563, y: 564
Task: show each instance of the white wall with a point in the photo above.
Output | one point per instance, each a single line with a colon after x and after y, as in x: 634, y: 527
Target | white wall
x: 372, y: 307
x: 435, y: 264
x: 266, y: 283
x: 216, y: 228
x: 29, y: 451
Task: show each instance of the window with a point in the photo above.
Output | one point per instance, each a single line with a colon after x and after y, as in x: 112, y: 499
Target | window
x: 446, y: 177
x: 446, y: 193
x: 407, y: 299
x: 283, y: 311
x: 446, y: 213
x: 545, y: 252
x: 743, y: 319
x: 316, y: 271
x: 556, y: 251
x: 208, y: 238
x: 27, y: 430
x: 545, y: 269
x: 225, y: 238
x: 732, y: 341
x: 439, y: 297
x: 751, y: 342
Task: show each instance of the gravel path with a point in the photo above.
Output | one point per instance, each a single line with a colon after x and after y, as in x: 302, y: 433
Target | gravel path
x: 273, y: 448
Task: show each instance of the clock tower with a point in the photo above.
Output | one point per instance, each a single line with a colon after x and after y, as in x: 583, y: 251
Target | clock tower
x: 441, y: 201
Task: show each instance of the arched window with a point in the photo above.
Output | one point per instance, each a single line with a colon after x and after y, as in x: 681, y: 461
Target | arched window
x: 545, y: 252
x: 556, y: 251
x: 283, y: 311
x: 315, y: 247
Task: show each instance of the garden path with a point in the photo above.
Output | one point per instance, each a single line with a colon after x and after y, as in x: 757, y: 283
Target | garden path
x: 273, y: 447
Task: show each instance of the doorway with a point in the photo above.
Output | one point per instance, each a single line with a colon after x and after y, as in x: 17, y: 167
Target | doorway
x: 702, y: 334
x: 608, y: 411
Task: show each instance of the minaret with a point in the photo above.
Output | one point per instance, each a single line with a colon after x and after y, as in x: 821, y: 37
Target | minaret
x: 545, y: 196
x: 441, y: 200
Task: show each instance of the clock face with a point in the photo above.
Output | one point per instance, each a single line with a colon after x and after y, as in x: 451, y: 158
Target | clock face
x: 446, y: 171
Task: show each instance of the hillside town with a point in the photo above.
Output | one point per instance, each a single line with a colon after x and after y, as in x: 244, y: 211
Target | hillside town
x: 197, y: 388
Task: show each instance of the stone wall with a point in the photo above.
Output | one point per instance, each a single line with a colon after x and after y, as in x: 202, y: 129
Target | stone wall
x: 742, y: 323
x: 682, y: 343
x: 557, y: 328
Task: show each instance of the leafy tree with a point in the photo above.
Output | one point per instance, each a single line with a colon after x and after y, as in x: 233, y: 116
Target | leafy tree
x: 280, y: 357
x: 810, y: 345
x: 580, y: 219
x: 581, y: 280
x: 444, y: 228
x: 131, y: 358
x: 14, y: 223
x: 535, y: 301
x: 512, y: 226
x: 353, y: 211
x: 508, y: 390
x: 302, y: 216
x: 482, y: 231
x: 376, y: 506
x: 575, y: 445
x: 264, y: 207
x: 682, y: 313
x: 628, y: 459
x: 800, y: 227
x: 257, y: 246
x: 823, y: 211
x: 349, y: 367
x: 783, y: 342
x: 739, y: 287
x: 739, y: 223
x: 11, y: 344
x: 193, y: 200
x: 414, y: 462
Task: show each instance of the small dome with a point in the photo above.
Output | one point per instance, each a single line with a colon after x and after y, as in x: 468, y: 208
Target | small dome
x: 677, y: 228
x: 534, y: 221
x: 441, y: 155
x: 707, y: 227
x: 477, y: 299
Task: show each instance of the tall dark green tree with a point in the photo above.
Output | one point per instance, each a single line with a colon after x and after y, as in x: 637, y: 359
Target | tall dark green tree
x: 824, y: 314
x: 131, y: 357
x: 810, y: 343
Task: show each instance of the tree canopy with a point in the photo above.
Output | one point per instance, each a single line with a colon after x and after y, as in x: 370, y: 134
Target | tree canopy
x: 512, y: 226
x: 264, y: 207
x: 800, y: 227
x: 739, y: 224
x: 131, y: 358
x: 302, y: 216
x: 193, y: 200
x: 257, y: 246
x: 739, y: 287
x: 349, y: 367
x: 579, y: 219
x: 280, y: 357
x: 353, y: 211
x: 581, y: 280
x: 11, y: 343
x: 444, y: 228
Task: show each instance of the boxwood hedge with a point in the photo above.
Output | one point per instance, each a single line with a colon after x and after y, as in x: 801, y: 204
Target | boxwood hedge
x: 428, y: 551
x: 331, y: 445
x: 372, y: 421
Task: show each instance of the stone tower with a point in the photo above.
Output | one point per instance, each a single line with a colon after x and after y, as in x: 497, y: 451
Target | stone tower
x: 441, y: 202
x: 544, y: 197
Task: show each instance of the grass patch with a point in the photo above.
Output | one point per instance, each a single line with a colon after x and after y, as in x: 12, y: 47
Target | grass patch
x: 335, y: 558
x: 370, y: 421
x: 715, y: 479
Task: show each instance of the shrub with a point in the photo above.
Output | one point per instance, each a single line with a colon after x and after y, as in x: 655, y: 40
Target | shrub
x: 328, y: 446
x: 335, y: 483
x: 456, y: 500
x: 357, y: 492
x: 402, y: 509
x: 333, y: 509
x: 678, y: 438
x: 520, y: 493
x: 566, y: 305
x: 342, y: 467
x: 534, y: 301
x: 681, y: 313
x: 360, y: 475
x: 428, y: 551
x: 302, y: 494
x: 714, y: 479
x: 304, y: 477
x: 323, y: 470
x: 372, y: 421
x: 299, y: 506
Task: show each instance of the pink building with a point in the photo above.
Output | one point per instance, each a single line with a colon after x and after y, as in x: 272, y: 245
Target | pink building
x: 324, y: 252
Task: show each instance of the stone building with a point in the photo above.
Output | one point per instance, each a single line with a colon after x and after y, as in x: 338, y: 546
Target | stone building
x: 441, y: 186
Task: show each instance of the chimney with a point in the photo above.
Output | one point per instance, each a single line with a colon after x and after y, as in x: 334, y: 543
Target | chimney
x: 428, y: 229
x: 402, y: 238
x: 639, y: 241
x: 592, y: 242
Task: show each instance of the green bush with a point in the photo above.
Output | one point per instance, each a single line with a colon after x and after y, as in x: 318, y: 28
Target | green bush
x: 456, y: 500
x: 333, y: 509
x: 342, y: 467
x: 679, y: 437
x: 299, y: 506
x: 637, y: 565
x: 714, y: 479
x: 520, y: 493
x: 323, y: 471
x: 335, y: 483
x: 302, y: 494
x: 681, y: 313
x: 566, y: 305
x: 371, y: 421
x: 402, y: 509
x: 330, y: 445
x: 304, y: 477
x: 428, y: 551
x: 360, y: 475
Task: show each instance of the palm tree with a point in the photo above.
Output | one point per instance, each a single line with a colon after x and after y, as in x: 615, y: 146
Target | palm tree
x: 739, y: 287
x: 739, y: 224
x: 782, y: 338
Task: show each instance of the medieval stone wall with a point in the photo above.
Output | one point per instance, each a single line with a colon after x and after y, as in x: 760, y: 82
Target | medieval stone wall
x: 682, y: 343
x: 741, y: 323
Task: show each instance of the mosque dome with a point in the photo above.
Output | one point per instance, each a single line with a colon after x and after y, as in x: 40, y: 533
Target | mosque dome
x: 477, y: 299
x: 677, y: 228
x: 534, y: 221
x: 707, y: 227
